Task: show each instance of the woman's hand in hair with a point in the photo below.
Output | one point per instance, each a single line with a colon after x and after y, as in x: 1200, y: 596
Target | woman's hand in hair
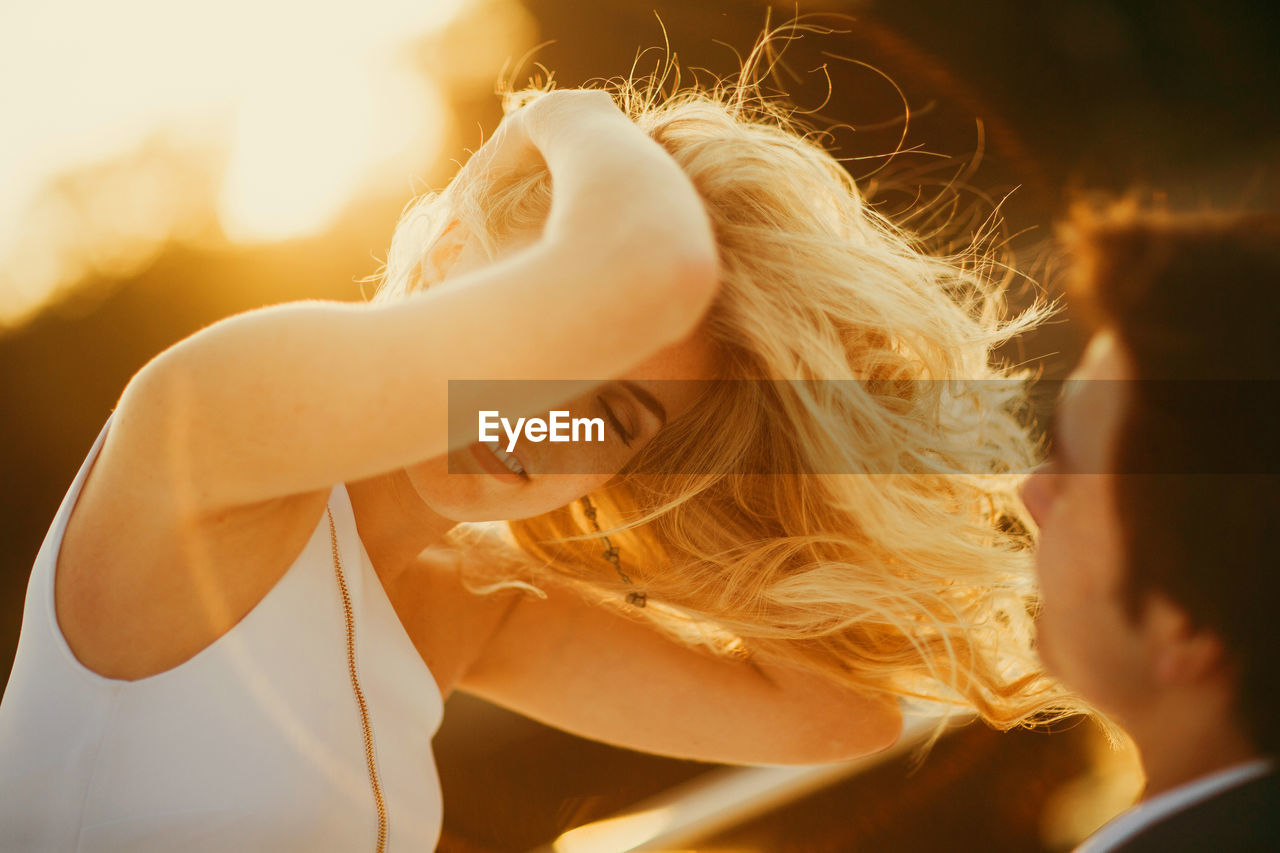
x: 517, y: 146
x: 619, y: 200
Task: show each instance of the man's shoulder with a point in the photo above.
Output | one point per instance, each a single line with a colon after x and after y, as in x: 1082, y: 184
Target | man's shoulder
x: 1244, y: 817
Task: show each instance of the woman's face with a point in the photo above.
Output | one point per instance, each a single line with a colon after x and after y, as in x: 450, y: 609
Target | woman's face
x: 477, y: 483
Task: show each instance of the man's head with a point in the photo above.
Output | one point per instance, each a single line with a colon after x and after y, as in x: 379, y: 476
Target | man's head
x: 1158, y: 509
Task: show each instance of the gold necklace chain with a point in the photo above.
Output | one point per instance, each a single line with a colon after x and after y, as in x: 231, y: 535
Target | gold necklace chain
x: 369, y: 759
x: 637, y: 598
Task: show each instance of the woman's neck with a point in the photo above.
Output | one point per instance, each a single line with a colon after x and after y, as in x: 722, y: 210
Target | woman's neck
x: 394, y: 523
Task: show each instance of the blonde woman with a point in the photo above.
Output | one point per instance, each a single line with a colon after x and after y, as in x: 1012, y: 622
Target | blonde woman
x: 243, y: 622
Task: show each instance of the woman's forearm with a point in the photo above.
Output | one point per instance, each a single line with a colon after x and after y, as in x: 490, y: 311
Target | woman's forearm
x: 296, y: 397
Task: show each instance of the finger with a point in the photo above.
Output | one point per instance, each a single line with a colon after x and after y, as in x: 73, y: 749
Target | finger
x: 508, y: 151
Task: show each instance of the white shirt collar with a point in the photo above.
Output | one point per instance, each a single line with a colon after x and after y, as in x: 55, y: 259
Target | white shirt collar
x: 1151, y: 811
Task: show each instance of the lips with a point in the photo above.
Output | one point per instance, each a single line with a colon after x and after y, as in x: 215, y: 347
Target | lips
x: 508, y: 459
x: 499, y: 463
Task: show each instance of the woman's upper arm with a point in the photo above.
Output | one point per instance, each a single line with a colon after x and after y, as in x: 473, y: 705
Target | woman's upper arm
x: 584, y: 669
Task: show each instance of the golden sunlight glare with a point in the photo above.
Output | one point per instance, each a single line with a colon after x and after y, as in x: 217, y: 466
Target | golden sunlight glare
x: 276, y: 111
x: 302, y: 147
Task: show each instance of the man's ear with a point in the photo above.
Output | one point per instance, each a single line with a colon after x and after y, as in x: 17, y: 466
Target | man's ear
x: 443, y: 253
x: 1182, y: 652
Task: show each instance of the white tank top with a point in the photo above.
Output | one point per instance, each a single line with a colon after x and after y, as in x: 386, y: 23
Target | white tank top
x: 254, y: 744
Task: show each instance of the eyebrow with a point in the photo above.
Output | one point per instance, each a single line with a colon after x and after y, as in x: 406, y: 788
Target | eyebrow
x: 646, y: 399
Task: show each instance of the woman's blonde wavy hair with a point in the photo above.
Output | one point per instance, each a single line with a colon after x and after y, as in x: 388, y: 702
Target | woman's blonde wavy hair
x: 915, y: 583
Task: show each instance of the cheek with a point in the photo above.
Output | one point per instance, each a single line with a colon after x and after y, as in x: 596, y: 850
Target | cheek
x: 1082, y: 634
x: 1078, y: 555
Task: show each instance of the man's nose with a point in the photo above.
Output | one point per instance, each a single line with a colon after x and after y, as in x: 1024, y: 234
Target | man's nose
x: 1033, y: 493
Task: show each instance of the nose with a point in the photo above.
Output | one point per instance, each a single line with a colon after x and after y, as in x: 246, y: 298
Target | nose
x: 1035, y: 493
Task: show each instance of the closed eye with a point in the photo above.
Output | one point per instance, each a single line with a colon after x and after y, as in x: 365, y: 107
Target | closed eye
x: 614, y: 422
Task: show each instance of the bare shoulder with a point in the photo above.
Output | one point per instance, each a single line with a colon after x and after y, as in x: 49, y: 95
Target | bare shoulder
x: 142, y: 584
x: 448, y: 617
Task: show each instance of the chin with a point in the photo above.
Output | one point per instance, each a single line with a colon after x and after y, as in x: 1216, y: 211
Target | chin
x: 473, y: 497
x: 469, y: 495
x: 462, y: 500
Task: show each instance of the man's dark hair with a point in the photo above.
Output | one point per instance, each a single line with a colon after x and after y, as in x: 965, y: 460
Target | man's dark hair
x: 1194, y: 300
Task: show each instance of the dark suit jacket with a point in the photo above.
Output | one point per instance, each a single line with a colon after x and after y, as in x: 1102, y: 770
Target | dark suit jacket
x: 1242, y: 818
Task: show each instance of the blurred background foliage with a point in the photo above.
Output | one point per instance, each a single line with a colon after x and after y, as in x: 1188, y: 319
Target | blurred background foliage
x: 163, y: 165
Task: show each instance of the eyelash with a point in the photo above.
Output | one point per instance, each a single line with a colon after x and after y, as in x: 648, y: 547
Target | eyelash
x: 614, y: 422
